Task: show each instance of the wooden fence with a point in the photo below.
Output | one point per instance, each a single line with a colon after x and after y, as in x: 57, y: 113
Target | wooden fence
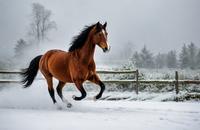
x: 135, y: 81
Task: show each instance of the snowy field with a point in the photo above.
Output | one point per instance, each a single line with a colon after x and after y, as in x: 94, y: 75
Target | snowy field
x: 32, y: 109
x: 105, y: 115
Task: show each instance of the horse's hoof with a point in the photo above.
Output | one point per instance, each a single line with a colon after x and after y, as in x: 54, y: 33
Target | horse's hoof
x: 74, y: 97
x: 69, y: 105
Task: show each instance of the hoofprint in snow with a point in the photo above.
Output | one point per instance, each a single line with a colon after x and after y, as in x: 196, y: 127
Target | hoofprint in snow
x: 32, y: 108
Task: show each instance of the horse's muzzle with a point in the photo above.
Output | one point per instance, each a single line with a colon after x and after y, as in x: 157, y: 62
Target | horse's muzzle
x: 106, y: 49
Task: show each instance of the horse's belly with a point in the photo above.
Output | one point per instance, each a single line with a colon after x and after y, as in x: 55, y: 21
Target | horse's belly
x: 63, y: 77
x: 59, y: 69
x: 62, y: 74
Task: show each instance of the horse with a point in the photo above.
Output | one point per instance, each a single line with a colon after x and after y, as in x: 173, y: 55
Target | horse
x: 75, y: 66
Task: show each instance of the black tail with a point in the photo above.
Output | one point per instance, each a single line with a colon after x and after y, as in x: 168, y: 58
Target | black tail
x: 30, y: 73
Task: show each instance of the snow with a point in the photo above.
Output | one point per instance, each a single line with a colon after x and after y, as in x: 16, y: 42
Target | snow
x: 89, y: 115
x: 169, y: 74
x: 32, y: 108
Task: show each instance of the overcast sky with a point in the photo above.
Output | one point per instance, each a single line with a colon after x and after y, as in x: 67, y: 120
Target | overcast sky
x: 161, y: 25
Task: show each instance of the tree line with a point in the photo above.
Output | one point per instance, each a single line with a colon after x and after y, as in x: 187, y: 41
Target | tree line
x: 189, y: 57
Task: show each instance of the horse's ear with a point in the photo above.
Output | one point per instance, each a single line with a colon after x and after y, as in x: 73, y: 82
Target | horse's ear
x: 98, y: 23
x: 98, y: 26
x: 104, y: 26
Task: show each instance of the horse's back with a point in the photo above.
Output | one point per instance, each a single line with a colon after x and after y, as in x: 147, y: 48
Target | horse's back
x: 55, y: 63
x: 51, y: 54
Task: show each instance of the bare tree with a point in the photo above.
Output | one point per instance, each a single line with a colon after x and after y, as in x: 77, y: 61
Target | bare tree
x: 41, y: 23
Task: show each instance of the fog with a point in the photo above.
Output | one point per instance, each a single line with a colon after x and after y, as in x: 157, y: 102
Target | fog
x: 161, y: 25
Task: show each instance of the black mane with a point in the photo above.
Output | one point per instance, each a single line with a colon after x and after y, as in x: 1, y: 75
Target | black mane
x: 79, y: 40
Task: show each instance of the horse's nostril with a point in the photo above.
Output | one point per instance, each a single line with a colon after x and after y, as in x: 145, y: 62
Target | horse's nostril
x: 105, y: 49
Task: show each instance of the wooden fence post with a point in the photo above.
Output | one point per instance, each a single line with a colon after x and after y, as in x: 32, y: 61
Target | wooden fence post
x: 137, y: 82
x: 176, y: 82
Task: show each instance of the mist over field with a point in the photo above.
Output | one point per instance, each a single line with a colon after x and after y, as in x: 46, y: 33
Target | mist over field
x: 158, y: 24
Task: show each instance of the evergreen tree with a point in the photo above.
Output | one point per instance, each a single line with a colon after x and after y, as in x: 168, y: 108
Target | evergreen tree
x: 146, y: 58
x: 19, y: 48
x: 197, y: 64
x: 192, y: 55
x: 184, y: 57
x: 160, y: 60
x: 136, y: 59
x: 171, y: 59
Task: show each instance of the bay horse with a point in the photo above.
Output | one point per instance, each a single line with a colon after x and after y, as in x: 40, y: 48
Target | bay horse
x: 75, y: 66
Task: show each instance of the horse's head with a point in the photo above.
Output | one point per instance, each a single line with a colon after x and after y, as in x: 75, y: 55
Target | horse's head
x: 100, y: 36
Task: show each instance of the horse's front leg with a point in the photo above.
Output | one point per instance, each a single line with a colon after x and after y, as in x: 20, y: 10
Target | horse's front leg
x: 81, y: 89
x: 95, y: 79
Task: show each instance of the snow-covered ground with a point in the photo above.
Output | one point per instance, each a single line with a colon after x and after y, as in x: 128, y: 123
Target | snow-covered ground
x: 104, y: 115
x: 32, y: 109
x: 184, y: 74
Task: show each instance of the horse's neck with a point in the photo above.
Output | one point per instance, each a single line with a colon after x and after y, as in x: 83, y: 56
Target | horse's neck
x: 86, y: 53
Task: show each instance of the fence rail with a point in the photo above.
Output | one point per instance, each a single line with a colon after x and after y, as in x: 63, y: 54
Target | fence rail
x: 116, y: 72
x: 98, y: 71
x: 135, y: 81
x: 10, y: 71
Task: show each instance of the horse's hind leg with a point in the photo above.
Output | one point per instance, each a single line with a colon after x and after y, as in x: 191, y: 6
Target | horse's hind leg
x: 50, y: 88
x: 59, y: 91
